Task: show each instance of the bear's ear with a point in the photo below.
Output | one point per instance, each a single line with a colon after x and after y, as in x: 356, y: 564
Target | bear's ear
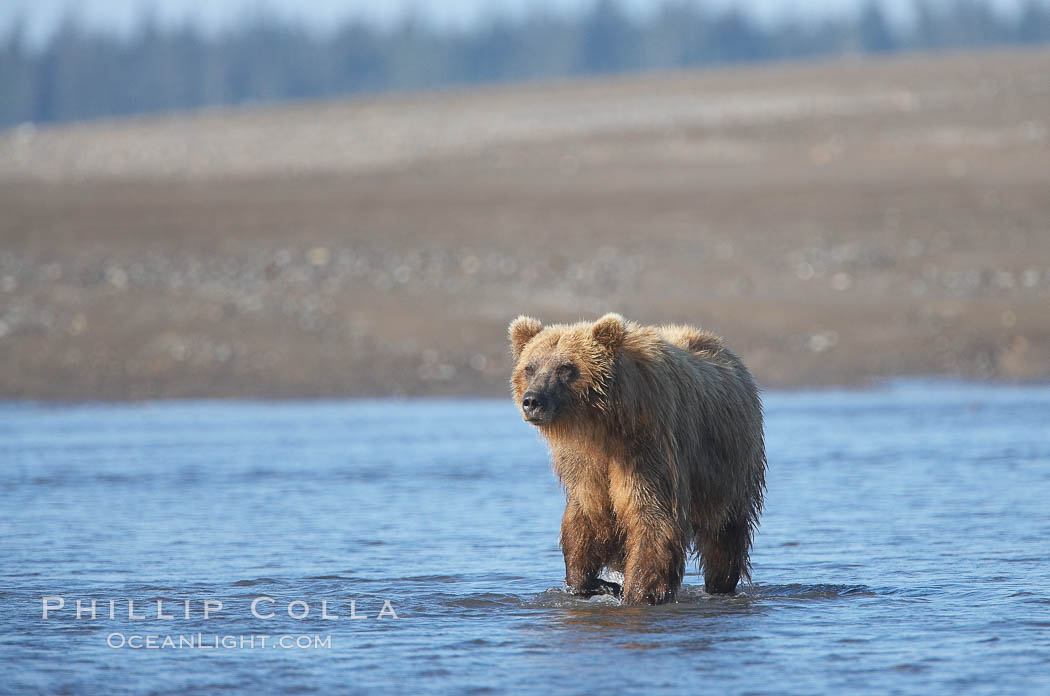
x: 521, y: 331
x: 609, y: 330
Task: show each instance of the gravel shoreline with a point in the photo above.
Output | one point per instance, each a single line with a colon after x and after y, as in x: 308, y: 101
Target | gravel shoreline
x: 837, y: 223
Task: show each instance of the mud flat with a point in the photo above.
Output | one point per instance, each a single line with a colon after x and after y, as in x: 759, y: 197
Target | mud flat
x: 838, y: 223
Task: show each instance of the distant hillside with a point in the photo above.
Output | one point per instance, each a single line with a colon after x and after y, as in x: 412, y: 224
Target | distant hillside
x: 80, y: 75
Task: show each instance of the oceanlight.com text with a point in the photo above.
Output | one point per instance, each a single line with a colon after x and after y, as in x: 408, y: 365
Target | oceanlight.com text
x: 211, y: 641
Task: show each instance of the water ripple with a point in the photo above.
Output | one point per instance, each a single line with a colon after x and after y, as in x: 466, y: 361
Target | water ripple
x: 902, y: 551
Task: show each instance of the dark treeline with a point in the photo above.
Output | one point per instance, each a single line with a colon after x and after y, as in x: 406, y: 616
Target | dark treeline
x: 81, y: 74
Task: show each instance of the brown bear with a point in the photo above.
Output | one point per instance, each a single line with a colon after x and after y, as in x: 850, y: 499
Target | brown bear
x: 656, y: 435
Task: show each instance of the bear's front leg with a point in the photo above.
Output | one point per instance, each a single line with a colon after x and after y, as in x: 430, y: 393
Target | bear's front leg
x: 585, y: 543
x: 655, y: 560
x: 642, y: 494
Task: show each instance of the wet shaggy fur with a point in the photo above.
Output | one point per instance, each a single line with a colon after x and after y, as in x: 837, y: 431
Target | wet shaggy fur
x: 656, y: 435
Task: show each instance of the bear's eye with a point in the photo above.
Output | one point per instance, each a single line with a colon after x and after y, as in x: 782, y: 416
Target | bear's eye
x: 530, y: 370
x: 567, y: 372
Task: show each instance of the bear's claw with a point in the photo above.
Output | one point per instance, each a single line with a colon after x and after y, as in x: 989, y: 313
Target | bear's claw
x: 597, y: 587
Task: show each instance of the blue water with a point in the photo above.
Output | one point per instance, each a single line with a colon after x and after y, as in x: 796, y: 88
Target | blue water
x: 905, y: 549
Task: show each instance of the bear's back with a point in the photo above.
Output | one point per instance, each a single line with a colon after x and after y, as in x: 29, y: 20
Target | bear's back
x: 701, y: 343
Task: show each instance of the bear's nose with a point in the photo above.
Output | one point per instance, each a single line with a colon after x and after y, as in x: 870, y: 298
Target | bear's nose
x: 531, y: 403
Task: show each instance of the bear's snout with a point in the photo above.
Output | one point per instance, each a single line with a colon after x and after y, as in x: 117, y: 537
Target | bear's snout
x: 535, y: 407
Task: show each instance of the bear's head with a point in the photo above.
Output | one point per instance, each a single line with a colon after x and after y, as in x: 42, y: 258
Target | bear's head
x: 563, y: 371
